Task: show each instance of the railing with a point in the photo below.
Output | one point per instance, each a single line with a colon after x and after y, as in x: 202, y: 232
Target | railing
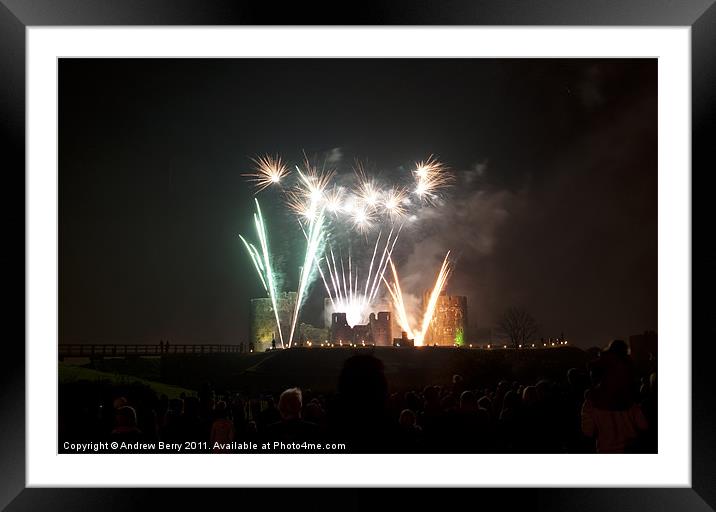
x: 100, y: 350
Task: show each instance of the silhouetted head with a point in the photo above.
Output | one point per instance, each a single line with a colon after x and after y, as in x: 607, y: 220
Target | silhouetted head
x: 448, y: 403
x: 412, y: 401
x: 362, y: 382
x: 119, y: 402
x: 313, y: 411
x: 407, y: 418
x: 529, y: 395
x: 468, y: 401
x: 543, y: 390
x: 502, y: 387
x: 572, y: 377
x: 431, y: 394
x: 618, y: 347
x: 290, y: 403
x: 511, y: 400
x: 220, y: 409
x: 125, y: 416
x: 484, y: 403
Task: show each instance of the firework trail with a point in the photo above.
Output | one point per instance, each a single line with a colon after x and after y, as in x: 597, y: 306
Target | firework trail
x: 346, y: 295
x: 432, y: 302
x: 397, y: 296
x: 256, y: 258
x: 262, y: 263
x: 310, y: 193
x: 383, y: 264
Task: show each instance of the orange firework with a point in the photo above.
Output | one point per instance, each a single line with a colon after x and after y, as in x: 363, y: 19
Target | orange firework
x: 430, y: 176
x: 270, y: 170
x: 397, y: 295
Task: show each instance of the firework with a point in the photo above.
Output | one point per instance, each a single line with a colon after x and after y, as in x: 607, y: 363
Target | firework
x: 368, y: 193
x: 395, y: 202
x: 346, y: 294
x: 397, y: 295
x: 363, y: 218
x: 432, y: 302
x: 314, y: 239
x: 305, y: 210
x: 270, y: 170
x: 313, y: 182
x: 334, y: 200
x: 256, y: 258
x: 362, y: 207
x: 262, y: 263
x: 308, y: 197
x: 430, y: 176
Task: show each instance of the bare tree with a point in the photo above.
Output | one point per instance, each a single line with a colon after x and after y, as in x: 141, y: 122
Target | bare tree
x: 518, y: 325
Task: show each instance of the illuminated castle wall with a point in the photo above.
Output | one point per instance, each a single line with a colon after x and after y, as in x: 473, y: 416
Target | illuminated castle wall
x: 449, y: 322
x: 377, y: 330
x: 263, y: 321
x: 376, y: 305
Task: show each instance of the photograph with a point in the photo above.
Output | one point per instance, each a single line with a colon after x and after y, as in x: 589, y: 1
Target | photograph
x: 357, y: 255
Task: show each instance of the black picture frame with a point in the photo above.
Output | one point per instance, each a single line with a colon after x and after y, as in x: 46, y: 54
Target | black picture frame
x: 17, y: 15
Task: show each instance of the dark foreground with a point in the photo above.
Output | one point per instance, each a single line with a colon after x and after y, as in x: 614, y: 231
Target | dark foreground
x: 385, y: 400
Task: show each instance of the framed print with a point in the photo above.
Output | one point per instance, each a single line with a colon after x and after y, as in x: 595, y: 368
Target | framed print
x: 450, y: 253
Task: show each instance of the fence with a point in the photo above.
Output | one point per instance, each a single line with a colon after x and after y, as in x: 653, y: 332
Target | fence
x: 119, y: 350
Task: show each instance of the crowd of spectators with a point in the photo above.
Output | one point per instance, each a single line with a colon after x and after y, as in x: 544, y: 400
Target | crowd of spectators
x: 606, y: 407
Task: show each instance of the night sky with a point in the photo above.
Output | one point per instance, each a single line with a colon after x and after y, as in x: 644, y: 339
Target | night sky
x: 554, y: 207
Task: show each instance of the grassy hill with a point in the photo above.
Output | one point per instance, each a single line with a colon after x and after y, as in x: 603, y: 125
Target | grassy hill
x: 318, y: 369
x: 70, y: 373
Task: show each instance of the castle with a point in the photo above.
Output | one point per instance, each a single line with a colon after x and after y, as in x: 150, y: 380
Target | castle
x: 377, y: 331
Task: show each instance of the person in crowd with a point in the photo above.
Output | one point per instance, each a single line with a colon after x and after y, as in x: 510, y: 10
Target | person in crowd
x: 610, y: 413
x: 125, y: 425
x: 120, y: 402
x: 222, y: 429
x: 485, y: 404
x: 191, y: 426
x: 411, y: 435
x: 509, y: 421
x: 359, y: 414
x: 431, y: 416
x: 238, y: 414
x: 269, y: 415
x: 171, y: 428
x: 458, y: 386
x: 313, y: 412
x: 251, y: 432
x: 291, y: 426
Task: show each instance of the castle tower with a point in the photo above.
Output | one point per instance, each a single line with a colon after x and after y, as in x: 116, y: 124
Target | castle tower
x: 449, y: 323
x: 381, y: 328
x: 340, y: 330
x: 262, y: 320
